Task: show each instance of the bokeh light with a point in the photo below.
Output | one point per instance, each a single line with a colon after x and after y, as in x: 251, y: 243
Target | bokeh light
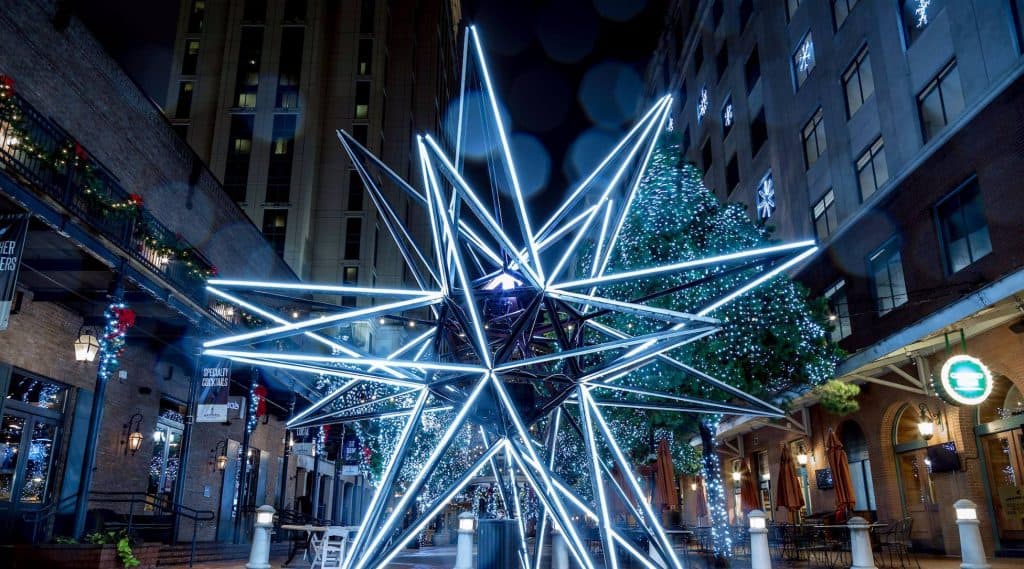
x: 609, y: 93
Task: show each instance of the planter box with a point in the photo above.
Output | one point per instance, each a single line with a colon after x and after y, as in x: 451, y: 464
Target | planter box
x: 80, y: 556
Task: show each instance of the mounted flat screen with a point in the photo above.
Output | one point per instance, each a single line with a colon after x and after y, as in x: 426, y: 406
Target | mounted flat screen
x: 823, y: 476
x: 943, y: 457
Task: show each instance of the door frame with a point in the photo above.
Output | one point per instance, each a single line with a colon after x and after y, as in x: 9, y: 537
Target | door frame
x: 992, y: 428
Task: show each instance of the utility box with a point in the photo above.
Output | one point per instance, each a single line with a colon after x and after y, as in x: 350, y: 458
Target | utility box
x: 496, y: 544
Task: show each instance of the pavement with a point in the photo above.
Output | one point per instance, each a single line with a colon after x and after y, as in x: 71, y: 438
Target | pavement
x: 427, y: 558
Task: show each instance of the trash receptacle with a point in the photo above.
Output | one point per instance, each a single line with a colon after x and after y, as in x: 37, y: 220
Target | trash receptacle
x: 496, y: 544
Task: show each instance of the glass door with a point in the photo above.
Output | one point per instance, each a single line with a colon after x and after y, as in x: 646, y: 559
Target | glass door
x: 1004, y: 457
x: 26, y: 465
x: 163, y: 467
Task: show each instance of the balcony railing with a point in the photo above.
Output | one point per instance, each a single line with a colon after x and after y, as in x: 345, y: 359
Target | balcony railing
x: 41, y: 155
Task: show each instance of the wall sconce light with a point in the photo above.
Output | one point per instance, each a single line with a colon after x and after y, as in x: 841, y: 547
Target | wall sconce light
x: 736, y: 475
x: 926, y: 424
x: 220, y: 454
x: 132, y: 433
x: 801, y: 455
x: 693, y: 486
x: 86, y: 345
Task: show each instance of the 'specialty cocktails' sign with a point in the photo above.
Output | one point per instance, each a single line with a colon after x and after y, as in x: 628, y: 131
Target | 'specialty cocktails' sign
x: 215, y: 378
x: 13, y: 232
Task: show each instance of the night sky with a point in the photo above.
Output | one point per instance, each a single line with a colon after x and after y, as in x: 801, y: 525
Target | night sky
x: 569, y: 72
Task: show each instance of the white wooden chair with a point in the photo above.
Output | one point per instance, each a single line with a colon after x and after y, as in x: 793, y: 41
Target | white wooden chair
x: 315, y: 543
x: 332, y: 548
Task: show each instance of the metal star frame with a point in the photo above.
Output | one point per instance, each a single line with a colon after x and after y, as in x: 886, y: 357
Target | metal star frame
x: 515, y: 347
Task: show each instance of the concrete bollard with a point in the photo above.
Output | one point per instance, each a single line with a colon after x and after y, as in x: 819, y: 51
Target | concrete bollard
x: 559, y: 551
x: 972, y: 551
x: 860, y: 544
x: 760, y: 557
x: 259, y: 553
x: 464, y: 546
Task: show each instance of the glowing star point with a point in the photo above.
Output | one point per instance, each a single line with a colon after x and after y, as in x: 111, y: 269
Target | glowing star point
x: 500, y: 339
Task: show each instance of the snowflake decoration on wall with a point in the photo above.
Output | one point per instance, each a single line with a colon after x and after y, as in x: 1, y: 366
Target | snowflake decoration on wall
x: 504, y: 341
x: 766, y: 197
x: 806, y: 57
x: 702, y: 104
x: 921, y: 11
x: 727, y: 116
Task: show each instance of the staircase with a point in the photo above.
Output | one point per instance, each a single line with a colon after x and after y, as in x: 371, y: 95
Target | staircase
x: 178, y: 555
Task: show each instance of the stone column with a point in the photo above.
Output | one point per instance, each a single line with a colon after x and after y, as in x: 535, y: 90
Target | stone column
x: 860, y: 544
x: 972, y: 551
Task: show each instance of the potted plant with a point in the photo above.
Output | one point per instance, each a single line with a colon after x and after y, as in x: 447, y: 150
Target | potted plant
x: 99, y: 550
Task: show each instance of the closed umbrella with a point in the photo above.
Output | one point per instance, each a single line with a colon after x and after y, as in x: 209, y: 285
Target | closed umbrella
x: 843, y: 484
x: 618, y: 506
x: 665, y: 494
x: 748, y: 489
x: 788, y: 495
x: 702, y: 498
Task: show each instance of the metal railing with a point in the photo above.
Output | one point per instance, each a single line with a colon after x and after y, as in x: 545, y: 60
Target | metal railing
x: 138, y: 503
x: 42, y: 155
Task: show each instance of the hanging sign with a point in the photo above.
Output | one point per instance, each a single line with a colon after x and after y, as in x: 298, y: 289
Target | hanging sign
x: 350, y: 455
x: 964, y: 380
x: 13, y: 233
x: 215, y: 375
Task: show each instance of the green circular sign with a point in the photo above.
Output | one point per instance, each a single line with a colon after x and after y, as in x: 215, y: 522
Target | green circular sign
x: 965, y: 380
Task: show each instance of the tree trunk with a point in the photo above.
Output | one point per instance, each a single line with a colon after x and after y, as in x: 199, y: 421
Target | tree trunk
x: 715, y: 489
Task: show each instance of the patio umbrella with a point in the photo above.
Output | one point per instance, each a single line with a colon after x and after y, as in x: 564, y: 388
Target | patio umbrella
x: 748, y: 489
x: 702, y: 498
x: 840, y: 466
x: 618, y: 506
x: 788, y: 494
x: 665, y: 494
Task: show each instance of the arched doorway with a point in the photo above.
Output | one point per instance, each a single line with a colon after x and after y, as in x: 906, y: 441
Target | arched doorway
x: 1001, y: 444
x: 917, y: 490
x: 856, y: 446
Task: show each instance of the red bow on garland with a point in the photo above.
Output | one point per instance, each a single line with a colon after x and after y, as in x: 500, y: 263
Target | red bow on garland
x: 136, y: 200
x: 6, y: 85
x: 125, y: 319
x: 260, y: 393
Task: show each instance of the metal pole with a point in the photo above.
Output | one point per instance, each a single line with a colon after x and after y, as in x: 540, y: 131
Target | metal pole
x: 283, y: 483
x: 243, y: 466
x: 315, y: 502
x: 186, y: 446
x: 93, y: 433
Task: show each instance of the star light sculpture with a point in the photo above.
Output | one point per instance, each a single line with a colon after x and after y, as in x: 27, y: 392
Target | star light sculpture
x: 516, y: 348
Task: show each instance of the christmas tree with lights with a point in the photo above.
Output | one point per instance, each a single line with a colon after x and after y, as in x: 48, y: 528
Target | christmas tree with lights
x: 773, y: 340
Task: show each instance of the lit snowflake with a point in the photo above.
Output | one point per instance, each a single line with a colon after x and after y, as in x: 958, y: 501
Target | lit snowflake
x: 727, y: 116
x: 501, y: 341
x: 806, y: 57
x: 766, y: 197
x: 921, y: 11
x: 702, y: 104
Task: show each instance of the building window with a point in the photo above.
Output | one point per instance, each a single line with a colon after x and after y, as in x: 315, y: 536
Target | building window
x: 964, y: 229
x: 716, y: 13
x: 791, y: 7
x: 247, y: 82
x: 355, y: 191
x: 758, y: 133
x: 685, y: 146
x: 728, y: 117
x: 275, y: 228
x: 858, y: 82
x: 705, y: 156
x: 292, y: 39
x: 885, y: 268
x: 294, y: 11
x: 367, y: 13
x: 872, y: 169
x: 752, y: 70
x: 814, y: 138
x: 803, y: 59
x: 941, y: 101
x: 181, y: 130
x: 195, y: 16
x: 236, y: 166
x: 353, y: 234
x: 916, y: 15
x: 732, y: 174
x: 746, y: 12
x: 362, y: 99
x: 365, y: 56
x: 698, y: 56
x: 722, y: 61
x: 840, y: 10
x: 703, y: 102
x: 838, y: 311
x: 190, y: 62
x: 282, y: 153
x: 184, y: 108
x: 826, y: 220
x: 254, y: 11
x: 349, y: 277
x: 361, y: 132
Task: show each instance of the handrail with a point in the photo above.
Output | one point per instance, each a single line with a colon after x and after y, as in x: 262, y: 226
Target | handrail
x: 54, y: 163
x: 130, y: 498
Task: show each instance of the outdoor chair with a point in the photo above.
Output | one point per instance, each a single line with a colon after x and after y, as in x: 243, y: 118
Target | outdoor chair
x: 893, y: 545
x: 331, y: 552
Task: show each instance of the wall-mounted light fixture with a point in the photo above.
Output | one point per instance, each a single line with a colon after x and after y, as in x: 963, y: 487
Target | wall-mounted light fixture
x: 801, y: 454
x: 132, y: 433
x: 86, y: 345
x: 927, y: 421
x: 220, y: 454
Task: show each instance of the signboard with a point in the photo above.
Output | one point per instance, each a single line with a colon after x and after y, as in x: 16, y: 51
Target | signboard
x: 215, y: 378
x: 13, y: 233
x: 350, y: 455
x: 964, y: 380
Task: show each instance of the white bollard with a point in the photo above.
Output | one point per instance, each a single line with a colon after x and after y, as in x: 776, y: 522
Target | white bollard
x: 860, y: 544
x: 259, y: 554
x: 972, y: 551
x: 760, y: 557
x: 464, y: 547
x: 653, y: 552
x: 559, y: 552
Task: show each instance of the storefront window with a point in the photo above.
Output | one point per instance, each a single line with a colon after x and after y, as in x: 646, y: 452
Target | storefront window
x: 1002, y: 448
x: 163, y: 467
x: 28, y: 436
x: 37, y: 392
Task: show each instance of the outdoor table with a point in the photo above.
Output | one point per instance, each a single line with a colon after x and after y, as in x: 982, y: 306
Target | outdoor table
x: 309, y: 529
x: 829, y: 544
